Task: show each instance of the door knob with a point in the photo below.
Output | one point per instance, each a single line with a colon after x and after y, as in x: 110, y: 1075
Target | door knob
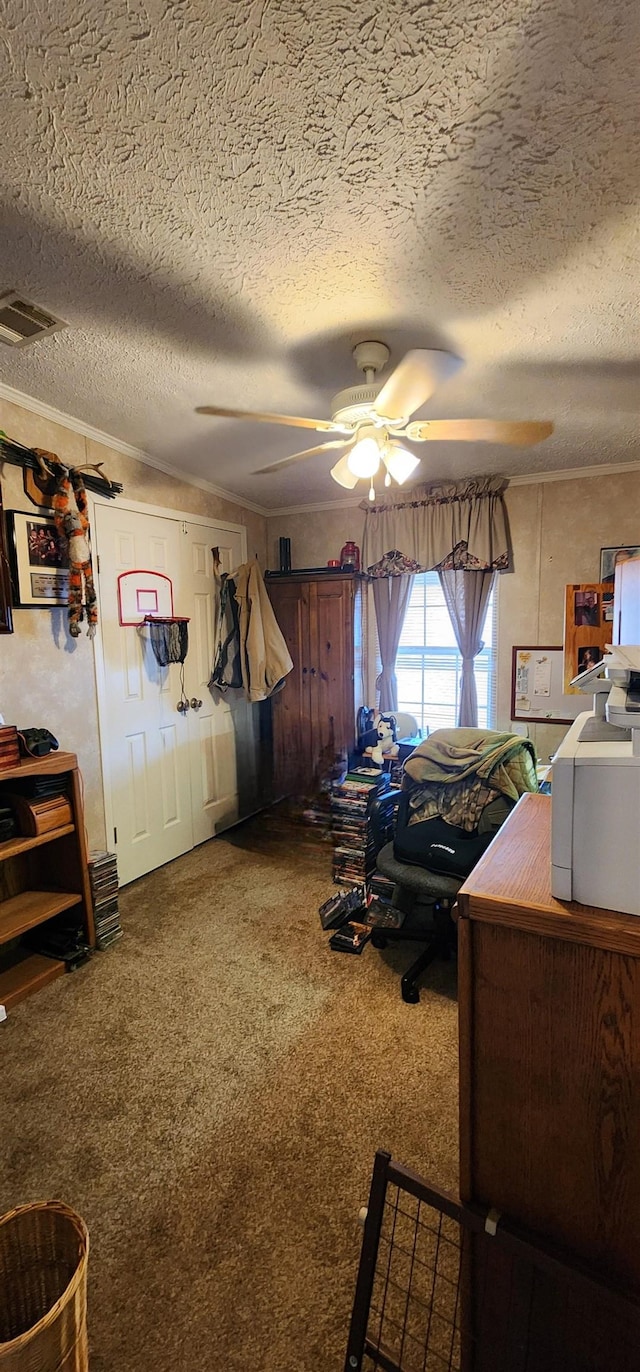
x: 182, y: 707
x: 195, y: 704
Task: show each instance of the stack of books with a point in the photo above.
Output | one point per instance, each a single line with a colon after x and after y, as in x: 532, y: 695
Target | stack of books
x: 103, y: 873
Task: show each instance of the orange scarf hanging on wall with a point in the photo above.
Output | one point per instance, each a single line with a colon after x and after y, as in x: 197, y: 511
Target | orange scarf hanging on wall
x: 70, y: 513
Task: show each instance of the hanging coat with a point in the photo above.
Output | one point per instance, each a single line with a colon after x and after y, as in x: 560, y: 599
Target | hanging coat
x: 264, y: 657
x: 227, y: 671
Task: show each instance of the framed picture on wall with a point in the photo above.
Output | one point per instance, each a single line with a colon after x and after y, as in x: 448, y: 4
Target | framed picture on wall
x: 609, y: 560
x: 610, y: 557
x: 39, y: 561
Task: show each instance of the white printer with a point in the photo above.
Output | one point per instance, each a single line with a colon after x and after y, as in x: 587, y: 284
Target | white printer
x: 595, y: 794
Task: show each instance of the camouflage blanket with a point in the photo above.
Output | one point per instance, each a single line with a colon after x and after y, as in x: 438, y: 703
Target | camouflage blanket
x: 470, y: 777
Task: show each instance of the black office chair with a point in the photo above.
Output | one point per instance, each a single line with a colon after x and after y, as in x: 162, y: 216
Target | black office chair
x: 426, y: 898
x: 472, y: 773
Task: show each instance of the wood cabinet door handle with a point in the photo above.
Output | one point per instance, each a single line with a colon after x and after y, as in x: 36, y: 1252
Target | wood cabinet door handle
x: 313, y: 671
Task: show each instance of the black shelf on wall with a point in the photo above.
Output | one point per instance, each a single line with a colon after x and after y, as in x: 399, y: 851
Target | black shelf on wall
x: 313, y: 571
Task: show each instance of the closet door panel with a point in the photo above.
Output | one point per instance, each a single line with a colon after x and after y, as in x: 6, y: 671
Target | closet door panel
x: 215, y: 722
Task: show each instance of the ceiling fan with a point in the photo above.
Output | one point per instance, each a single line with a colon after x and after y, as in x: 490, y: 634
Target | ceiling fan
x: 371, y: 419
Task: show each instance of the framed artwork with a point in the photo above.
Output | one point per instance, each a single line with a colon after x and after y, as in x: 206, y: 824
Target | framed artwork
x: 39, y: 561
x: 6, y: 619
x: 609, y: 557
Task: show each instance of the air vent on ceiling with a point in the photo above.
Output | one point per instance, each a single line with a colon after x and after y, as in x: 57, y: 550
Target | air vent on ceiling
x: 21, y: 321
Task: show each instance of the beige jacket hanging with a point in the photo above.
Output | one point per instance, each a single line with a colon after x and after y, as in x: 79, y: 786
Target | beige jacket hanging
x: 264, y: 655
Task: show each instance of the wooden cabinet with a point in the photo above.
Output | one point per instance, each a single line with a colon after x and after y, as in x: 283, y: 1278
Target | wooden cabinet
x: 550, y: 1053
x: 314, y: 714
x: 40, y: 877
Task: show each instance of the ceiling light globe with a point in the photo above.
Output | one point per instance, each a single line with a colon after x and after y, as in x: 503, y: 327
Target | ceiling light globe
x: 364, y: 458
x: 400, y: 462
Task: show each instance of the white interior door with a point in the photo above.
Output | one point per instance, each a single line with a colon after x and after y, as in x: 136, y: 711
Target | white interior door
x: 217, y: 724
x: 145, y: 740
x: 172, y: 779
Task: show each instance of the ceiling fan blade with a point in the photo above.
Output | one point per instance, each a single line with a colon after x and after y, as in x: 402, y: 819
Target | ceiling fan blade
x: 518, y: 433
x: 414, y: 380
x: 300, y: 457
x: 321, y: 425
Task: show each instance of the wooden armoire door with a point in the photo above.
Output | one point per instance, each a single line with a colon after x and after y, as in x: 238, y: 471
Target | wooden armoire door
x: 314, y: 714
x: 332, y: 694
x: 292, y: 722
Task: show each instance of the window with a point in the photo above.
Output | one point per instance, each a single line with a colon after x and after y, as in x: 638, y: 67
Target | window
x: 429, y: 664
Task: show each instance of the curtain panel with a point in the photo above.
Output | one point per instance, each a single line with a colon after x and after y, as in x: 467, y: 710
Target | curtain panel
x: 461, y: 525
x: 467, y: 597
x: 391, y: 596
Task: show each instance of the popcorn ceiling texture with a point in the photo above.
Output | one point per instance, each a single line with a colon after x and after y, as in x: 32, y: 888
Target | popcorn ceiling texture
x: 222, y: 198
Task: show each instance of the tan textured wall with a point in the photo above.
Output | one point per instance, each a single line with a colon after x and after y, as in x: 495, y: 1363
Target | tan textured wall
x: 557, y: 530
x: 46, y: 677
x: 315, y: 537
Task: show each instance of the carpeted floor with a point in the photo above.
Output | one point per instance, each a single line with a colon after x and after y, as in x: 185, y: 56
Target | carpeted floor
x: 209, y: 1094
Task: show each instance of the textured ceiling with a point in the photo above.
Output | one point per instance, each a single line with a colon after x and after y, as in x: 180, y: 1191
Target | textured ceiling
x: 222, y: 198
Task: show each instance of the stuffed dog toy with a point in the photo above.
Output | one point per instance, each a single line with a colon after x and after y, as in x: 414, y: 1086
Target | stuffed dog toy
x: 386, y: 734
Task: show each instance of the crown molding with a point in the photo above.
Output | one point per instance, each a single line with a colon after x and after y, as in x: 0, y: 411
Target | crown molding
x: 575, y: 473
x: 78, y: 426
x: 283, y: 510
x: 529, y: 479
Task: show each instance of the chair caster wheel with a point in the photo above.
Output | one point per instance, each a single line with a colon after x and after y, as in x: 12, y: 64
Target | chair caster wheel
x: 378, y: 940
x: 410, y: 994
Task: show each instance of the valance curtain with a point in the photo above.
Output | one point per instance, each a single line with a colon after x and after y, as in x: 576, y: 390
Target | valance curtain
x: 467, y: 597
x: 460, y: 525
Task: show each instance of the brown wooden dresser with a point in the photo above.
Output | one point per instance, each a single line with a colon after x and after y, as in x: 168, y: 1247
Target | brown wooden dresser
x: 550, y: 1053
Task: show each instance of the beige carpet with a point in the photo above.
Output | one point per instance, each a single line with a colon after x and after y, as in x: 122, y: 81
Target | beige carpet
x: 209, y: 1094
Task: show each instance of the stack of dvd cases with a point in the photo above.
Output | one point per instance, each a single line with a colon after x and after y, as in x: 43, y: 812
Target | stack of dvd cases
x: 103, y: 872
x: 381, y: 886
x: 354, y: 856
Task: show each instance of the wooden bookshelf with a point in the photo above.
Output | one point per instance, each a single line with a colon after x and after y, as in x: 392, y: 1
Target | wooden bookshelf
x: 26, y: 976
x: 40, y: 877
x: 12, y: 846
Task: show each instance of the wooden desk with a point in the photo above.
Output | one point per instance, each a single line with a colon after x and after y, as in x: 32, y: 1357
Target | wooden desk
x: 550, y: 1053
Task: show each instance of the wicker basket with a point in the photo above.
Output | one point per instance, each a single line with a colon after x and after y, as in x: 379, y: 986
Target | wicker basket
x: 44, y: 1251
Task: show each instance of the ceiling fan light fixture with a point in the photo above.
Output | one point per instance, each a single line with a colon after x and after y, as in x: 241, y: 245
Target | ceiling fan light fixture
x: 364, y: 456
x: 399, y: 462
x: 343, y: 475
